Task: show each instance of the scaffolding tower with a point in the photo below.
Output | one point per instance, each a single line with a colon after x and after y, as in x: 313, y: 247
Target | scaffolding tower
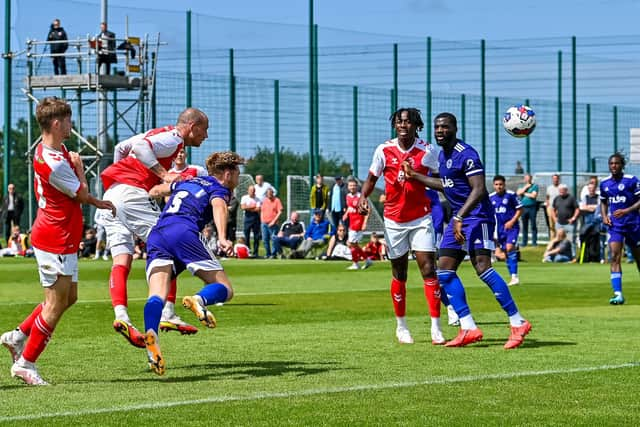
x: 125, y: 91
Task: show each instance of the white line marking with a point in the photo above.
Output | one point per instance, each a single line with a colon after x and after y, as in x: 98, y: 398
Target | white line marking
x: 319, y: 391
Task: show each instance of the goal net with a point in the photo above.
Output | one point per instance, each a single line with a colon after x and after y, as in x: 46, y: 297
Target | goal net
x: 298, y: 189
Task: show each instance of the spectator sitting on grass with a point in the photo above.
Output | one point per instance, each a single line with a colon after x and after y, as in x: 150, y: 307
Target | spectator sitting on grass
x: 559, y: 249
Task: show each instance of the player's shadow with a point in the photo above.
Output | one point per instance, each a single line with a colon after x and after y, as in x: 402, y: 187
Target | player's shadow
x: 244, y: 370
x: 529, y: 342
x: 240, y: 370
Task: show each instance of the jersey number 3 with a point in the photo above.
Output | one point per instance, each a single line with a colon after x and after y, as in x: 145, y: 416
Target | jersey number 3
x: 177, y: 201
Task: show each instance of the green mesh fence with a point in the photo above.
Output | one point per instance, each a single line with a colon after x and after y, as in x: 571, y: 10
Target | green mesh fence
x: 515, y: 70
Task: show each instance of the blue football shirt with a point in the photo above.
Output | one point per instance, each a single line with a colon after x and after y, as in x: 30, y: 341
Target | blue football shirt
x: 620, y: 194
x: 504, y: 206
x: 455, y: 170
x: 190, y: 201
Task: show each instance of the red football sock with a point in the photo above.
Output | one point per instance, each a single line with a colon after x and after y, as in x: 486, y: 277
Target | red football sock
x: 118, y: 285
x: 40, y: 335
x: 398, y: 295
x: 27, y: 323
x: 173, y: 291
x: 432, y: 292
x: 356, y: 253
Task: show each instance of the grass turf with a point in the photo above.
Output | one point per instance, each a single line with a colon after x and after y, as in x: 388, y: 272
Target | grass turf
x: 308, y: 343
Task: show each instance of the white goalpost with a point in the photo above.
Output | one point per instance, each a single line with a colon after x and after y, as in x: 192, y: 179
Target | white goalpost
x: 298, y: 189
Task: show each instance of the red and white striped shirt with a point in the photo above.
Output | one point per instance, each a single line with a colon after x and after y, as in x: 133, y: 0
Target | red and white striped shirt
x: 191, y: 171
x: 58, y: 225
x: 405, y: 199
x: 165, y: 142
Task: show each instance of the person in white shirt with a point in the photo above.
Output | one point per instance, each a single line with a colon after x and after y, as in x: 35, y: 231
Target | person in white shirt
x: 262, y: 186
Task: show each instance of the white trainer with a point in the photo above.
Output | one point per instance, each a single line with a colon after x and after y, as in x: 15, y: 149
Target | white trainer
x: 27, y: 372
x: 454, y: 320
x: 437, y: 338
x: 353, y: 266
x: 403, y: 335
x: 514, y: 281
x: 15, y: 346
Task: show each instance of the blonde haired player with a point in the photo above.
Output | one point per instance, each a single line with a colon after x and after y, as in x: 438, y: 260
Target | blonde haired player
x: 141, y: 162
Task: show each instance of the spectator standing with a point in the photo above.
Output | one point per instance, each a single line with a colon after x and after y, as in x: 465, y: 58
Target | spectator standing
x: 528, y: 194
x: 106, y: 49
x: 58, y: 38
x: 566, y: 212
x: 290, y: 235
x: 552, y: 192
x: 101, y: 237
x: 585, y: 188
x: 318, y: 197
x: 270, y: 212
x: 232, y: 219
x: 519, y: 169
x: 250, y: 204
x: 589, y: 205
x: 337, y: 202
x: 262, y: 186
x: 12, y: 207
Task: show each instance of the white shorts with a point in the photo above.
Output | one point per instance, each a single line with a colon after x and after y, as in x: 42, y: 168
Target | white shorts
x: 136, y: 213
x: 50, y: 266
x: 417, y: 235
x: 354, y: 236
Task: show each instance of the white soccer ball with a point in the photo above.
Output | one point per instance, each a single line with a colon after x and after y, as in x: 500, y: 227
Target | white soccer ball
x: 519, y: 121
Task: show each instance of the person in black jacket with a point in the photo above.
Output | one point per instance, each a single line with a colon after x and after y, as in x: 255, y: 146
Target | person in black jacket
x: 106, y: 48
x: 12, y: 207
x: 58, y: 35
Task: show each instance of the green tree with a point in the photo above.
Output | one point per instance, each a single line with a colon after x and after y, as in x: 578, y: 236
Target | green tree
x: 292, y: 164
x: 19, y: 160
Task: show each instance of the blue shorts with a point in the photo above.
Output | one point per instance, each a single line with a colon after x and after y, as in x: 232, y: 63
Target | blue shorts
x: 508, y: 236
x: 629, y: 235
x: 180, y: 246
x: 478, y: 234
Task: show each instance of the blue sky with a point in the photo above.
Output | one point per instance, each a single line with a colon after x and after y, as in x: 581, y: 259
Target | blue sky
x: 453, y: 20
x: 401, y: 20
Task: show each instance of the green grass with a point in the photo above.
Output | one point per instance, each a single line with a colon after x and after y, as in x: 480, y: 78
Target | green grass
x: 309, y: 343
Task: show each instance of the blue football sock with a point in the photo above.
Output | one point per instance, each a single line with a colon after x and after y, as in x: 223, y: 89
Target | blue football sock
x: 152, y: 313
x: 213, y: 293
x: 444, y: 298
x: 512, y: 262
x: 616, y: 281
x: 500, y: 290
x: 452, y: 286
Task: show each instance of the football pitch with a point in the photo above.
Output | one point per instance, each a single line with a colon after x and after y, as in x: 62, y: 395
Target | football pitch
x: 308, y: 343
